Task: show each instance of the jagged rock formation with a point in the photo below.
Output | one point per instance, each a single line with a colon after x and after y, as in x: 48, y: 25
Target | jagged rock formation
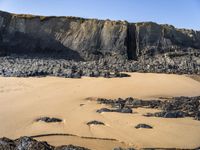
x: 28, y: 143
x: 146, y: 46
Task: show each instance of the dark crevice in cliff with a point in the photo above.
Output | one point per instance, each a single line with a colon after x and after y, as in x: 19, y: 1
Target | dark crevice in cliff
x: 131, y: 42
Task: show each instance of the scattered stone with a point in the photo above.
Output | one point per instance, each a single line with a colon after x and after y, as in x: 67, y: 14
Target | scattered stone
x: 146, y: 126
x: 176, y: 107
x: 49, y: 120
x: 95, y: 122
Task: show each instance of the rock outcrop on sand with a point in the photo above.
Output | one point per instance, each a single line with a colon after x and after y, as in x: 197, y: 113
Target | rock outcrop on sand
x: 176, y: 107
x: 48, y: 119
x: 28, y: 143
x: 95, y: 122
x: 142, y: 125
x: 75, y: 47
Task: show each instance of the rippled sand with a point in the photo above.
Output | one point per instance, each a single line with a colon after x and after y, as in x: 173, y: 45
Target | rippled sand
x: 22, y: 100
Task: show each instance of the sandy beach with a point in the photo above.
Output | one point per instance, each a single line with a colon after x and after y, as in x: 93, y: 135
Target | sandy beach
x: 23, y: 100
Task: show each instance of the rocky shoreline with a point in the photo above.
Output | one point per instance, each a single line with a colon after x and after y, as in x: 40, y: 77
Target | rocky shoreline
x: 110, y: 67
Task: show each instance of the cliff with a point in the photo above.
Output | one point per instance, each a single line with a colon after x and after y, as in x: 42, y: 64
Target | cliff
x: 31, y: 46
x: 89, y: 39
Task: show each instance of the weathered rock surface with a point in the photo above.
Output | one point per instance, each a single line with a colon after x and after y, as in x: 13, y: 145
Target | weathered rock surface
x: 27, y: 143
x: 74, y: 47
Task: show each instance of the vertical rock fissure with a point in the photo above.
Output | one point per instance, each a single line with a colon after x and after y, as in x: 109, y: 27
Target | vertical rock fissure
x: 131, y: 42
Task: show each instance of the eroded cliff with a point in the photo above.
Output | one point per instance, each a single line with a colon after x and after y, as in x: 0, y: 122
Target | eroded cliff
x: 90, y: 38
x: 145, y: 46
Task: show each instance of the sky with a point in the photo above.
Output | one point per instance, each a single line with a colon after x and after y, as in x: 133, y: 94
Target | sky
x: 180, y: 13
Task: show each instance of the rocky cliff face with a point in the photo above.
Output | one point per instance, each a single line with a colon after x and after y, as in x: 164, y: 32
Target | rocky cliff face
x: 156, y: 48
x: 69, y: 35
x: 90, y: 38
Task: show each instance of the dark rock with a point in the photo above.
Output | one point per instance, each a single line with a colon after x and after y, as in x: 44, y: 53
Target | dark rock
x: 167, y: 114
x: 143, y: 126
x: 95, y: 122
x: 125, y: 110
x: 28, y: 143
x: 49, y: 120
x: 119, y: 148
x: 70, y: 147
x: 174, y: 114
x: 7, y: 144
x: 104, y: 110
x: 120, y: 75
x: 177, y: 107
x: 197, y: 116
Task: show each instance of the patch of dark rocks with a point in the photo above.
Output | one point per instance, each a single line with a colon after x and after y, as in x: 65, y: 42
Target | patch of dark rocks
x: 95, y: 122
x: 49, y: 119
x: 108, y: 67
x: 28, y: 143
x: 142, y: 125
x: 129, y: 102
x: 176, y: 107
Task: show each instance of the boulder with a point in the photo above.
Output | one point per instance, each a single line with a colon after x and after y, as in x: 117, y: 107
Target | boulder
x: 49, y: 120
x: 146, y: 126
x: 95, y: 122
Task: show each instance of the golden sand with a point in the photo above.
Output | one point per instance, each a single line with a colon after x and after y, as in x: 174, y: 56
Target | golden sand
x: 22, y: 100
